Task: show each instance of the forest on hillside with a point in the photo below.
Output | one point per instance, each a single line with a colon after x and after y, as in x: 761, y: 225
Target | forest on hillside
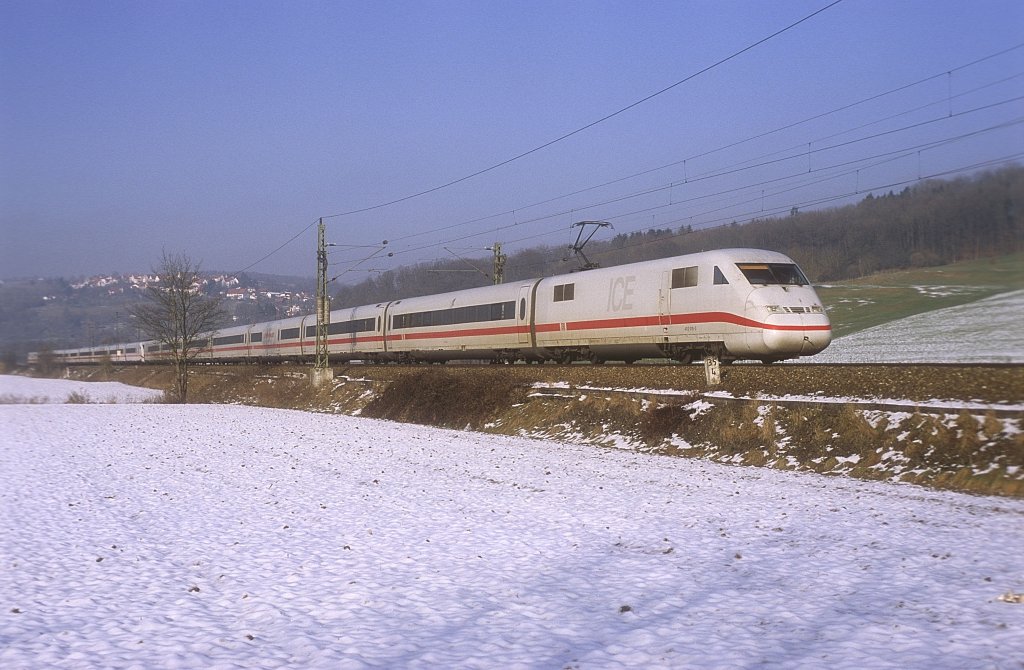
x: 932, y: 223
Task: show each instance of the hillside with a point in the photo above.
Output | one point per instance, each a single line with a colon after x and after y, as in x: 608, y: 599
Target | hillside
x: 982, y: 331
x: 79, y: 311
x: 884, y: 297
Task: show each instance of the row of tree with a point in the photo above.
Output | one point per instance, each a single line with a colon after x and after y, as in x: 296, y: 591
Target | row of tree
x: 932, y: 223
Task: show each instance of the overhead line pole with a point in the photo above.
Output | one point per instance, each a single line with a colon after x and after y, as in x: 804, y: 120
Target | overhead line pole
x: 499, y: 263
x: 322, y: 367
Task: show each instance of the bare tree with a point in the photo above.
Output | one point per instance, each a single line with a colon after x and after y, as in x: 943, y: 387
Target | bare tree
x: 178, y: 315
x: 46, y: 363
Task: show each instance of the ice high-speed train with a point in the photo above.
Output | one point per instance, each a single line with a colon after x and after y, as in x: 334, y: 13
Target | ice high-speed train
x: 732, y: 303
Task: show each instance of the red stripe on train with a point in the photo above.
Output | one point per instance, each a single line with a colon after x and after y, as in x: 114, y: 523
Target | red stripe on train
x: 593, y: 324
x: 681, y: 319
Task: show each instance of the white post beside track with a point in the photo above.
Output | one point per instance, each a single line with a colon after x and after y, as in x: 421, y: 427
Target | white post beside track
x: 712, y: 369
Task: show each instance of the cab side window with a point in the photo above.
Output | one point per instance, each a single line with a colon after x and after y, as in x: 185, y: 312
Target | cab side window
x: 684, y: 277
x: 565, y: 292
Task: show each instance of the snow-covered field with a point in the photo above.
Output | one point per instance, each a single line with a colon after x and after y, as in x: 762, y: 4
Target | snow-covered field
x: 984, y: 331
x: 15, y: 389
x: 223, y: 536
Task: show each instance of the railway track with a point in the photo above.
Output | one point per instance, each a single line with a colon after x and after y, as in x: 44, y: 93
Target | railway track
x: 908, y: 385
x: 715, y: 398
x: 916, y: 383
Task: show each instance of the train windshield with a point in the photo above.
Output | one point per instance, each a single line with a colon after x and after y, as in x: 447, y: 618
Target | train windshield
x: 773, y: 273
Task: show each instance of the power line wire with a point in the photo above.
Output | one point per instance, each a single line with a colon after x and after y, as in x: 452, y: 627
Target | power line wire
x: 731, y: 145
x: 728, y: 220
x: 945, y: 73
x: 592, y: 123
x: 900, y: 152
x: 286, y: 243
x: 550, y: 142
x: 725, y: 221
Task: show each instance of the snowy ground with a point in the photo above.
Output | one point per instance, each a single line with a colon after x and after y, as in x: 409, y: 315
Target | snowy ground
x: 15, y: 389
x: 984, y: 331
x: 223, y: 536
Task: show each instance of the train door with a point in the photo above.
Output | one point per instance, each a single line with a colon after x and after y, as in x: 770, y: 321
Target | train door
x: 268, y: 340
x: 385, y: 327
x: 307, y: 347
x: 665, y: 301
x: 523, y: 315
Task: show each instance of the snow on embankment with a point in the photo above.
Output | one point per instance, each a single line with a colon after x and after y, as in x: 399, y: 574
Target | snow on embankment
x: 984, y: 331
x: 228, y: 536
x: 19, y: 390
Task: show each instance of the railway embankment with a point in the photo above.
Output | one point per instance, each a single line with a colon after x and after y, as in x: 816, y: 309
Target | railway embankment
x: 944, y: 426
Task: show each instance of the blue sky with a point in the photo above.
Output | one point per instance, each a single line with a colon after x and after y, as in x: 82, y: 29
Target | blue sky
x: 224, y: 129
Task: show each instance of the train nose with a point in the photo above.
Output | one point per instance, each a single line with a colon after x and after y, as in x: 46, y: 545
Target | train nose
x: 804, y: 334
x: 816, y: 338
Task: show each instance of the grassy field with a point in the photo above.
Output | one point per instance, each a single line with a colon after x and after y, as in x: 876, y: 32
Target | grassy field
x: 871, y: 301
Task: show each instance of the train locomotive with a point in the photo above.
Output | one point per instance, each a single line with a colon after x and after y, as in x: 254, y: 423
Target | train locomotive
x: 733, y: 304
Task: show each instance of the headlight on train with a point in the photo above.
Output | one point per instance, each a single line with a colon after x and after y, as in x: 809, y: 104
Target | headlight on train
x: 779, y: 309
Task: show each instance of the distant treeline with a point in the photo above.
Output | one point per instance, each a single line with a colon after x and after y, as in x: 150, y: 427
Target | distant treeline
x: 932, y: 223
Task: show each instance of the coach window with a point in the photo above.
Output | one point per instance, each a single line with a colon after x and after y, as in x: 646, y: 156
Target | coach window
x: 684, y: 277
x: 522, y: 309
x: 565, y: 292
x: 719, y: 277
x: 228, y: 339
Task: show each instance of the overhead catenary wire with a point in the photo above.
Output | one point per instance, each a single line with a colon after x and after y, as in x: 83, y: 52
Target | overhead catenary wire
x: 277, y: 249
x: 579, y: 130
x: 782, y: 209
x: 706, y: 224
x: 788, y: 126
x: 804, y: 146
x: 899, y: 153
x: 888, y: 157
x: 903, y: 87
x: 549, y: 143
